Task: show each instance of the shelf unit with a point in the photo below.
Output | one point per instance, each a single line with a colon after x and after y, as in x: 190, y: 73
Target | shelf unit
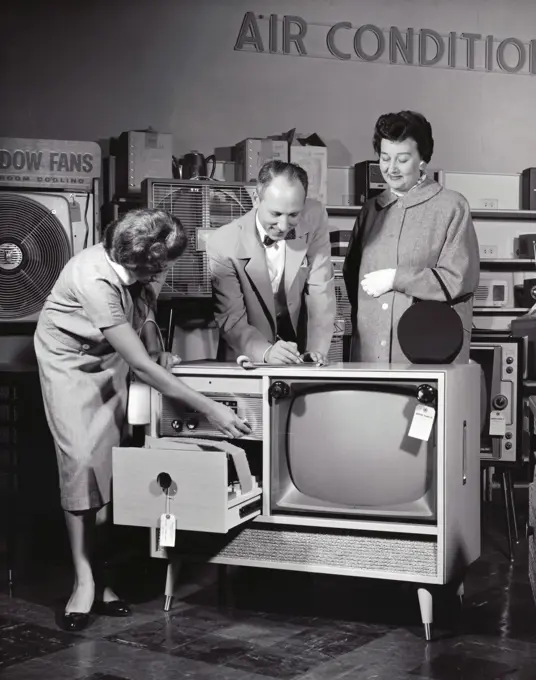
x: 507, y: 264
x: 517, y: 215
x: 500, y: 311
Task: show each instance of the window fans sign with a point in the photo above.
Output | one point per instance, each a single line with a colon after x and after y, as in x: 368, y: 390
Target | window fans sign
x: 293, y: 36
x: 49, y: 163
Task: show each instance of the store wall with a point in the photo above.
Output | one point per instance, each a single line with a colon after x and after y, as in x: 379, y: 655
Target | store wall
x: 89, y: 72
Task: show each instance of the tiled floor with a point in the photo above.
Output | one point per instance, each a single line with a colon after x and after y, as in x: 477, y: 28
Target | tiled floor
x: 281, y: 625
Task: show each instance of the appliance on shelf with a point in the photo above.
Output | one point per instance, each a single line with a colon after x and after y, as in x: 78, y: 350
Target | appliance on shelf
x: 486, y: 191
x: 501, y: 358
x: 528, y: 189
x: 495, y: 290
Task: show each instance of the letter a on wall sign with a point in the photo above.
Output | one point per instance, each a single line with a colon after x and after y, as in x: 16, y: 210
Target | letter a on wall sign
x: 249, y: 33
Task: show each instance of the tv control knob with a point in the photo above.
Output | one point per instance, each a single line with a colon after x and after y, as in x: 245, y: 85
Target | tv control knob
x: 499, y: 402
x: 176, y: 425
x: 426, y: 394
x: 508, y: 445
x: 508, y: 435
x: 279, y: 390
x: 509, y: 369
x: 510, y: 360
x: 192, y: 423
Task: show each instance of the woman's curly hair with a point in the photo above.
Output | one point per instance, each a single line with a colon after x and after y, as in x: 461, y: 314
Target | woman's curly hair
x: 145, y: 240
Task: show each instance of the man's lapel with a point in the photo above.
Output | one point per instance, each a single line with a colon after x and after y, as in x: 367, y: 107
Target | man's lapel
x: 296, y: 251
x: 256, y: 268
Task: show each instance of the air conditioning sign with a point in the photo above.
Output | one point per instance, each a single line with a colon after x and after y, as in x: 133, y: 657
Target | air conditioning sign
x: 293, y: 36
x: 49, y: 164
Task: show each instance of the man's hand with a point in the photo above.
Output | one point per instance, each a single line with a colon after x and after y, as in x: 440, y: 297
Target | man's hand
x: 167, y: 360
x: 314, y: 358
x: 379, y: 282
x: 283, y: 352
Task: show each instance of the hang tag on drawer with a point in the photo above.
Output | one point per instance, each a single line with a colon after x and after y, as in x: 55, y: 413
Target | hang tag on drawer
x: 168, y: 530
x: 423, y: 420
x: 497, y: 424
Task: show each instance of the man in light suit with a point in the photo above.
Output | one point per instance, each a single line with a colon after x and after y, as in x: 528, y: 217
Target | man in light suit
x: 272, y: 276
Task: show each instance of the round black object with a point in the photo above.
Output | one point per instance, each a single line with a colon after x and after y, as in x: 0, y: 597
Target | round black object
x: 430, y: 332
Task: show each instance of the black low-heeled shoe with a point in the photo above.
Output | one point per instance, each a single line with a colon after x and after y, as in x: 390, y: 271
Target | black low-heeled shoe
x: 114, y: 608
x: 73, y: 622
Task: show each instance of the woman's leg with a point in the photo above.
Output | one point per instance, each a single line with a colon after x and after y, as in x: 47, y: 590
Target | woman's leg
x: 103, y: 543
x: 80, y: 528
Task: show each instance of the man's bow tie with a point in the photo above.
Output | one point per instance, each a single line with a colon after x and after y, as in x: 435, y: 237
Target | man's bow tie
x: 289, y: 237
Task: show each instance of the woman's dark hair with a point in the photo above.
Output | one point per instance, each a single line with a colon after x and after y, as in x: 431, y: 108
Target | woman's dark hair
x: 397, y: 127
x: 273, y: 169
x: 145, y: 239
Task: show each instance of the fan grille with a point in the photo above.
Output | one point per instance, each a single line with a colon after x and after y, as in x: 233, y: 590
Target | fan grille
x: 201, y: 207
x: 34, y: 248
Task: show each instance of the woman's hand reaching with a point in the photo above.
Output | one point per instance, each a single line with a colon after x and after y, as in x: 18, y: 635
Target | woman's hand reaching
x: 226, y: 420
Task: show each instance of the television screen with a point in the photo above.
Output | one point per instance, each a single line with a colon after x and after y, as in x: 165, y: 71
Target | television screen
x: 347, y: 450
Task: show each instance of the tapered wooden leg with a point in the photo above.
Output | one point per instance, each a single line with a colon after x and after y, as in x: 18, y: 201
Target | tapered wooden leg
x: 172, y: 575
x: 426, y: 607
x: 460, y: 592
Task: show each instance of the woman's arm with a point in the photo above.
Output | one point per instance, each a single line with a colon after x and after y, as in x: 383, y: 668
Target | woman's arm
x: 458, y: 265
x: 150, y: 337
x: 125, y: 341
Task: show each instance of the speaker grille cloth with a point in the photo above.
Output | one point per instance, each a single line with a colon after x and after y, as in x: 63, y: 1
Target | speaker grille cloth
x: 336, y: 549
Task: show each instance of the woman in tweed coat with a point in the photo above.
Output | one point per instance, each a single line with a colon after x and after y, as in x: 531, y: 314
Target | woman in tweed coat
x: 414, y: 241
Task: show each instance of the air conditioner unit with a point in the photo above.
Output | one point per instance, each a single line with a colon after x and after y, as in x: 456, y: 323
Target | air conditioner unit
x: 39, y: 233
x: 202, y: 206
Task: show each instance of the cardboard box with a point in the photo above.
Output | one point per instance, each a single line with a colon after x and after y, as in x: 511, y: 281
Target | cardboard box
x: 310, y: 152
x: 251, y: 154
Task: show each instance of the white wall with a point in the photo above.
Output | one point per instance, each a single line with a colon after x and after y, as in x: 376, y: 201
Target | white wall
x: 89, y: 72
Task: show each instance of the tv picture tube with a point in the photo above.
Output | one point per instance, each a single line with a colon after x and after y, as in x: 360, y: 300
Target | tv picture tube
x: 351, y: 447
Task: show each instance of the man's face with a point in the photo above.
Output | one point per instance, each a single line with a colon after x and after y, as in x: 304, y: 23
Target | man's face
x: 279, y: 206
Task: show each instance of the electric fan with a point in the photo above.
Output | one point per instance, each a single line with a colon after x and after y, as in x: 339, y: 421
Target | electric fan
x: 35, y: 245
x: 201, y: 206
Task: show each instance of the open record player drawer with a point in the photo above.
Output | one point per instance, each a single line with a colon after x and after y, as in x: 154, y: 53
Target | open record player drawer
x: 195, y: 474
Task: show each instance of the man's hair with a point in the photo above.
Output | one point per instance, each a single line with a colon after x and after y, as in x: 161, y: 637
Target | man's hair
x: 273, y: 169
x: 145, y: 239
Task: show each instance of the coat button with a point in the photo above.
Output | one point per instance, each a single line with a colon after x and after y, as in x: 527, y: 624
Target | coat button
x: 85, y: 347
x: 385, y: 305
x: 383, y: 343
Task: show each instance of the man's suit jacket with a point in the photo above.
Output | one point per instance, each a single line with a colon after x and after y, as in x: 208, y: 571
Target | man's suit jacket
x: 244, y: 305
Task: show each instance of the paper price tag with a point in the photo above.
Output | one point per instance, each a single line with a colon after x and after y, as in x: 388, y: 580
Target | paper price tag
x: 423, y: 420
x: 497, y: 424
x: 168, y: 530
